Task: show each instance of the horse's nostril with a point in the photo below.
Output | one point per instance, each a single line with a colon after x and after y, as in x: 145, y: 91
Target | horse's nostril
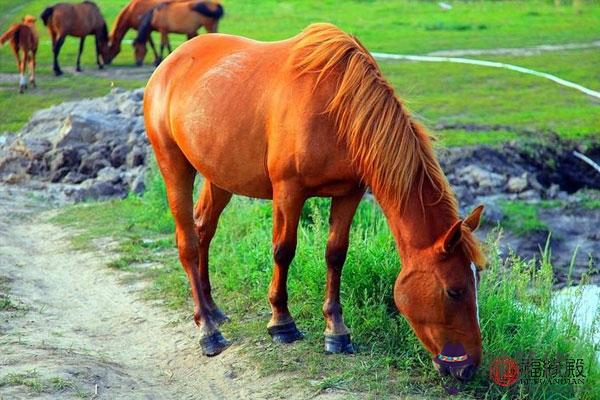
x: 441, y: 369
x: 464, y: 374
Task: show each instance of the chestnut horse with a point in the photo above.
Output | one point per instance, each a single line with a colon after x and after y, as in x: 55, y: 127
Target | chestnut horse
x: 24, y: 39
x: 310, y: 116
x: 77, y: 20
x: 183, y: 17
x: 130, y: 17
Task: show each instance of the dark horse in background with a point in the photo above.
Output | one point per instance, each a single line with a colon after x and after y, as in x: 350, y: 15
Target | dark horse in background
x: 176, y: 17
x: 79, y: 20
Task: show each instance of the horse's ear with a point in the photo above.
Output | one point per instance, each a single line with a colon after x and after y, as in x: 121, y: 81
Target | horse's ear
x: 472, y: 221
x: 451, y: 238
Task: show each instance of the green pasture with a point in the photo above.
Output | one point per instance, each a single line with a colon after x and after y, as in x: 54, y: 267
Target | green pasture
x: 515, y: 303
x: 439, y: 93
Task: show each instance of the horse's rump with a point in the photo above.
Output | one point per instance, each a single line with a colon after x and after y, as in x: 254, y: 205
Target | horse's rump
x: 203, y: 8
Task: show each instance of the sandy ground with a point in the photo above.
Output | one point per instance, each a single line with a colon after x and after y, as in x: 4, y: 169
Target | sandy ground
x: 75, y: 319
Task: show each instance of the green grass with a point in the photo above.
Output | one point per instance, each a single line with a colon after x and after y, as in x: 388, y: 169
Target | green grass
x: 522, y: 217
x: 438, y: 93
x: 516, y: 316
x: 29, y: 379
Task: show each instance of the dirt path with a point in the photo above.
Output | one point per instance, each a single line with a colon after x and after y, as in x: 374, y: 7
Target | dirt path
x: 73, y: 329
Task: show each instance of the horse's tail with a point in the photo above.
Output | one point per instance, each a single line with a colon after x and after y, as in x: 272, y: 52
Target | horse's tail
x: 12, y: 33
x: 203, y: 9
x: 145, y: 27
x: 46, y: 14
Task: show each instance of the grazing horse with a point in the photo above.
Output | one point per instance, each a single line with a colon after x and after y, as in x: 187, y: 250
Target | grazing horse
x: 303, y: 117
x: 77, y: 20
x: 183, y: 17
x: 24, y: 39
x: 130, y: 17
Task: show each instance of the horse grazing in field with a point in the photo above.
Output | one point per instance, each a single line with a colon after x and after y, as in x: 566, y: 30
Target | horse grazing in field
x: 77, y: 20
x: 130, y: 17
x: 24, y: 39
x: 185, y: 18
x: 303, y: 117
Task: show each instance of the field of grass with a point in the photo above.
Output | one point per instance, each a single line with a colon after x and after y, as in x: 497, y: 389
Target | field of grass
x: 515, y: 303
x: 438, y: 93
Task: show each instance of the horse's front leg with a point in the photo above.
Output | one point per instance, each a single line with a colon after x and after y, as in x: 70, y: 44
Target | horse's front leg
x: 287, y: 206
x: 56, y: 50
x: 153, y: 47
x: 337, y: 335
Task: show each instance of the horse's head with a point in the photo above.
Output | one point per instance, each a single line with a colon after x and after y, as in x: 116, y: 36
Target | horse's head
x: 139, y: 50
x: 114, y: 48
x: 29, y: 20
x: 437, y: 293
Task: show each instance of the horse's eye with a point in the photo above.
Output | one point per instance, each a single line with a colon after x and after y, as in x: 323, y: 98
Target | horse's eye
x: 455, y: 294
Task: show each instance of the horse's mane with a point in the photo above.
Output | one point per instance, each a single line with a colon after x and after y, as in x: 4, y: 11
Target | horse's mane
x: 119, y: 23
x: 145, y: 27
x: 393, y: 153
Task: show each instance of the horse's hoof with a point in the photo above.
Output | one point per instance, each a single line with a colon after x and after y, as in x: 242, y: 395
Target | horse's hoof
x: 100, y: 66
x: 78, y: 69
x: 286, y: 333
x: 33, y: 85
x: 338, y: 344
x: 213, y: 344
x: 139, y: 63
x: 219, y: 316
x: 58, y: 72
x: 22, y: 89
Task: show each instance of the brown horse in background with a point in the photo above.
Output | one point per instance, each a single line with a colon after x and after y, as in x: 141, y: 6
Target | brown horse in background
x: 130, y: 17
x: 183, y: 17
x: 77, y: 20
x: 24, y: 39
x: 310, y: 116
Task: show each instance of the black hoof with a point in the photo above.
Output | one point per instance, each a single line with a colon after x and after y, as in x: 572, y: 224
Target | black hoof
x: 338, y: 344
x: 286, y: 333
x: 78, y: 69
x: 58, y: 72
x: 213, y: 344
x: 219, y: 317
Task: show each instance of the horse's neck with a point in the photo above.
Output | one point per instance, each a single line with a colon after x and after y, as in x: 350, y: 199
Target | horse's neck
x: 420, y: 224
x: 121, y: 26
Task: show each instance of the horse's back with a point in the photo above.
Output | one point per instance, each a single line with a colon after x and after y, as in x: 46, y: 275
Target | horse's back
x: 241, y: 115
x: 77, y: 19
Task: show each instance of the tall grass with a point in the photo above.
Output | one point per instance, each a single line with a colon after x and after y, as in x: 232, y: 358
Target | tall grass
x: 517, y: 316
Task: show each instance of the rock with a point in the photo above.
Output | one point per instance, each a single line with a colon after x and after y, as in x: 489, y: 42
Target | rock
x: 109, y: 174
x: 118, y: 155
x: 552, y: 191
x: 480, y: 178
x: 517, y: 184
x: 137, y: 185
x: 136, y: 157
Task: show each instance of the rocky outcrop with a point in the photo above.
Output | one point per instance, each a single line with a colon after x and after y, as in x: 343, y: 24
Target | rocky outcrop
x: 94, y: 148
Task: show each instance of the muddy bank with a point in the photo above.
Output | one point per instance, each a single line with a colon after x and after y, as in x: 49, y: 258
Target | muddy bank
x: 97, y: 149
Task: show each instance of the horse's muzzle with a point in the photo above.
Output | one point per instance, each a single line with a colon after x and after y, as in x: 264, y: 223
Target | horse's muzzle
x: 464, y: 373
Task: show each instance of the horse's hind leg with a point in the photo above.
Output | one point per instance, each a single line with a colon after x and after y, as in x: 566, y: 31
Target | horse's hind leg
x: 337, y: 336
x: 32, y: 69
x: 22, y: 72
x: 287, y: 206
x: 210, y: 205
x: 81, y: 42
x: 179, y: 176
